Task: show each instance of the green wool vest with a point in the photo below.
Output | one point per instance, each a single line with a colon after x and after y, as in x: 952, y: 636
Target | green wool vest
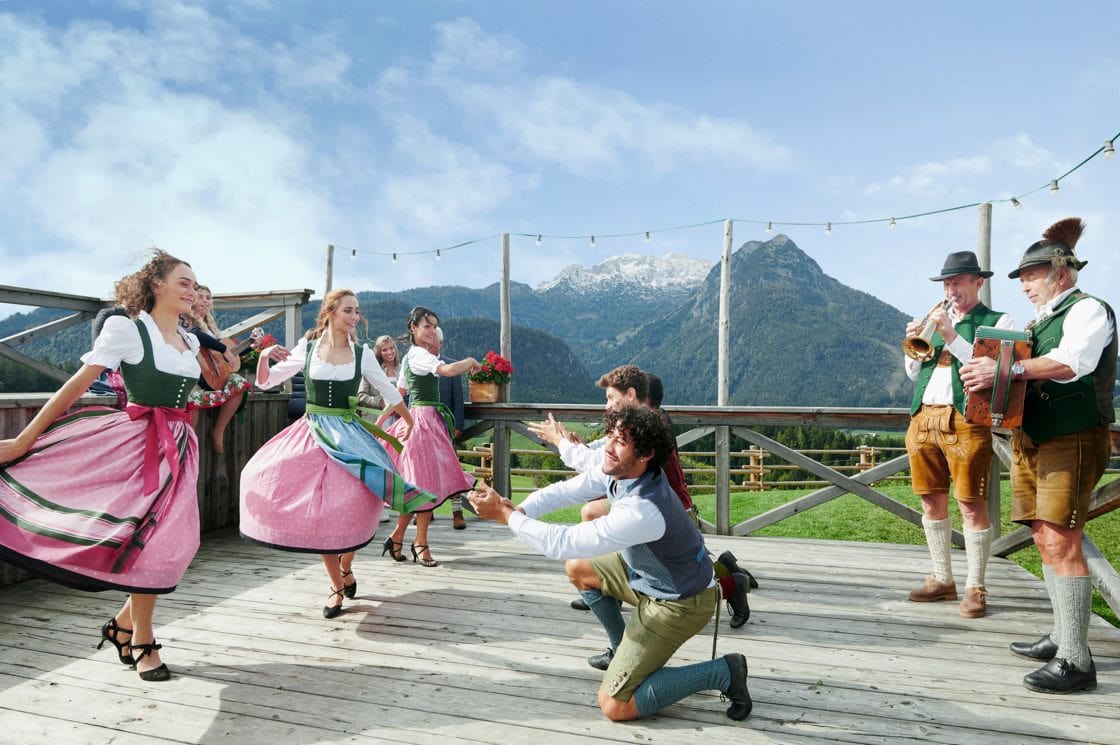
x: 147, y: 385
x: 1054, y: 409
x: 331, y: 394
x: 979, y: 316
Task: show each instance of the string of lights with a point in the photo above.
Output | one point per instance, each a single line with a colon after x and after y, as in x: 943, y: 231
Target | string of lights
x: 1108, y: 149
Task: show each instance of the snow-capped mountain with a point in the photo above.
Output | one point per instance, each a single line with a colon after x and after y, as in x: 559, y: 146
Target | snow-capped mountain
x: 673, y: 274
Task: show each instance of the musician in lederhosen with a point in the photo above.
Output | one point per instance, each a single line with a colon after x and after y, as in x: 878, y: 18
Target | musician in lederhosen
x: 1063, y: 447
x: 943, y: 447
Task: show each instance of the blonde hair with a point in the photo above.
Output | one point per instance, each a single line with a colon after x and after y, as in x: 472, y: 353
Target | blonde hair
x: 377, y: 350
x: 206, y: 322
x: 330, y: 304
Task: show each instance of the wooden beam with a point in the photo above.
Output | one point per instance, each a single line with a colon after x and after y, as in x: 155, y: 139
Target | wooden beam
x: 819, y: 469
x: 47, y: 329
x: 1105, y: 499
x: 1104, y: 575
x: 819, y: 497
x: 259, y: 319
x: 45, y: 299
x: 40, y: 367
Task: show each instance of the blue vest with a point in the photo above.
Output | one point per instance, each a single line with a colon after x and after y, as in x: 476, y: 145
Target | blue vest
x: 676, y: 565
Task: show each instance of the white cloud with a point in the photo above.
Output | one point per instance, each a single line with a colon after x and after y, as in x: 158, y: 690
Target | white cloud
x: 583, y: 128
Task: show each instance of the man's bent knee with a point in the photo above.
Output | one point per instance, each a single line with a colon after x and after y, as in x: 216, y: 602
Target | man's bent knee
x: 581, y: 574
x: 615, y: 710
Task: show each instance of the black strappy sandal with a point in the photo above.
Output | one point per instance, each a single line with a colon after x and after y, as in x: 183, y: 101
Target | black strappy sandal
x: 352, y: 589
x: 332, y: 611
x: 156, y: 673
x: 418, y: 549
x: 109, y: 633
x: 394, y: 549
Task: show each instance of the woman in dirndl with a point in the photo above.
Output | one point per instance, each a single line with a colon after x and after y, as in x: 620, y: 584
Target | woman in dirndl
x: 428, y: 459
x: 229, y: 398
x: 320, y: 485
x: 102, y: 499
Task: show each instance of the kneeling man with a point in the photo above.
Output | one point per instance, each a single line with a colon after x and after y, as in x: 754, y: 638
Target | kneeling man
x: 645, y: 551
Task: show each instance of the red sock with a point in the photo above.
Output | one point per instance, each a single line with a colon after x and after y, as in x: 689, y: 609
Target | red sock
x: 726, y: 585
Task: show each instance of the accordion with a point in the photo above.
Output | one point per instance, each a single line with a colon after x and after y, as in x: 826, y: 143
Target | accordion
x: 1002, y: 404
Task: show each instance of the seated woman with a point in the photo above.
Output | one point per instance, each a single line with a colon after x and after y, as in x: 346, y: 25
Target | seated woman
x: 227, y: 399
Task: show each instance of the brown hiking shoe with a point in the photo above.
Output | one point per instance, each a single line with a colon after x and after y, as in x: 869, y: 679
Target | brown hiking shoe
x: 975, y: 603
x: 932, y: 590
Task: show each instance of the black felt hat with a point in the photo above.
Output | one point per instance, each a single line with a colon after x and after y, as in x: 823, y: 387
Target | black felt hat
x: 961, y: 262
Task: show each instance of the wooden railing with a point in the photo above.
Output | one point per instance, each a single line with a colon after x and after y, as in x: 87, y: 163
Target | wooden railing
x: 265, y: 414
x: 723, y: 422
x: 271, y: 305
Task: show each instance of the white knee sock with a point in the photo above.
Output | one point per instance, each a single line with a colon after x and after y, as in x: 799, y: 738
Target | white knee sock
x: 1074, y: 599
x: 938, y: 537
x: 978, y: 547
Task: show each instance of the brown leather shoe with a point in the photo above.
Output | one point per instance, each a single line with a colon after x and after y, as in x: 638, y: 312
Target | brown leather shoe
x: 457, y: 521
x: 932, y: 590
x: 975, y: 603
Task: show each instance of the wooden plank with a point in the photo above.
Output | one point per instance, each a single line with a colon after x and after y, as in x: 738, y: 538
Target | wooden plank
x: 484, y: 648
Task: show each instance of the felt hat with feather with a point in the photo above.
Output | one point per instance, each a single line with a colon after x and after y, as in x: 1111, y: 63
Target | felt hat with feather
x: 1056, y: 247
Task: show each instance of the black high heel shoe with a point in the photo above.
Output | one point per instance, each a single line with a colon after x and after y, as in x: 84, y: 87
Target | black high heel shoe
x: 109, y: 633
x: 352, y: 589
x: 394, y: 549
x: 331, y: 611
x: 156, y: 673
x: 417, y: 549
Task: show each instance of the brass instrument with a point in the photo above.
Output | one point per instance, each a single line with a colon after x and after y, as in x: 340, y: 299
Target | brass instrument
x: 919, y: 347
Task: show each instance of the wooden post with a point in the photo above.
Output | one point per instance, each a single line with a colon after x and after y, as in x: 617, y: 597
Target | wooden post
x: 723, y: 386
x: 330, y: 269
x: 984, y: 250
x: 504, y: 312
x: 501, y: 429
x: 723, y: 480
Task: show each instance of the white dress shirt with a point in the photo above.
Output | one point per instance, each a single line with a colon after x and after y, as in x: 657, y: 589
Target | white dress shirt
x: 631, y: 520
x: 1085, y: 334
x: 939, y: 390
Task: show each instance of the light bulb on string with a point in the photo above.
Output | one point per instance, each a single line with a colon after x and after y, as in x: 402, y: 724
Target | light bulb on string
x: 769, y: 227
x: 1016, y: 203
x: 828, y: 229
x: 394, y: 258
x: 647, y: 236
x: 1109, y: 150
x: 893, y: 223
x: 1054, y: 186
x: 438, y: 254
x: 593, y: 241
x: 353, y: 253
x: 538, y: 239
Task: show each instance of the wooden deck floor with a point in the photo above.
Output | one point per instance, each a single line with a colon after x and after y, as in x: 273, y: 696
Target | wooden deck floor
x: 484, y: 649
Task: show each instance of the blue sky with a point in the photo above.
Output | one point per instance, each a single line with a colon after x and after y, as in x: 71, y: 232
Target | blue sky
x: 244, y: 136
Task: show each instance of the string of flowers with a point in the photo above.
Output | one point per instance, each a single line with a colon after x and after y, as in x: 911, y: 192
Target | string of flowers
x: 495, y: 369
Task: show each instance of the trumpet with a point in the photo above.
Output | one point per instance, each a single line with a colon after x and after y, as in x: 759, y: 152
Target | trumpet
x: 919, y: 347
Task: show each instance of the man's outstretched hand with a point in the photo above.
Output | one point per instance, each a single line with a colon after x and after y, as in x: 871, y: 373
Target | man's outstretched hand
x: 490, y: 505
